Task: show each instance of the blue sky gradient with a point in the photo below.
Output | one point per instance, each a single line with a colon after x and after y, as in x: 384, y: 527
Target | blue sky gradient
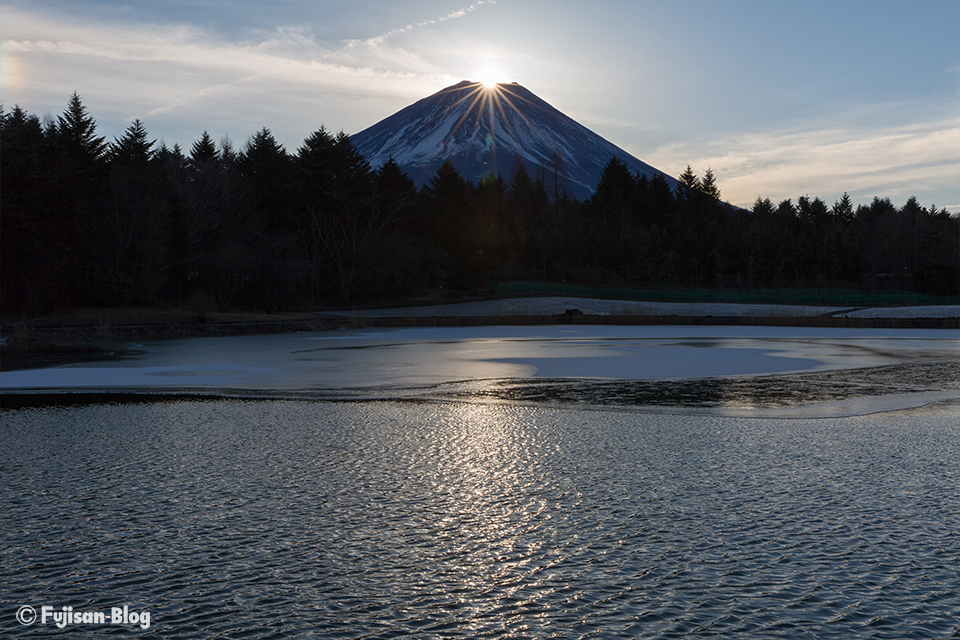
x: 781, y: 98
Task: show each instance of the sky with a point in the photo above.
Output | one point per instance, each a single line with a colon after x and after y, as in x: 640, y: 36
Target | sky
x: 779, y: 98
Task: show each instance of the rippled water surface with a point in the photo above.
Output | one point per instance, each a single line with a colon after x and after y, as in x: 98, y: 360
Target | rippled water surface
x: 236, y: 518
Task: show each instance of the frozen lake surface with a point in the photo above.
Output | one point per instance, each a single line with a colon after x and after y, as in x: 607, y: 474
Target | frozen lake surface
x: 564, y: 481
x: 418, y: 361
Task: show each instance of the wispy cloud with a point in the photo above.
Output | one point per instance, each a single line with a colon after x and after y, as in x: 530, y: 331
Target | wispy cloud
x: 459, y: 13
x: 894, y: 162
x: 281, y: 51
x: 185, y: 99
x: 161, y: 69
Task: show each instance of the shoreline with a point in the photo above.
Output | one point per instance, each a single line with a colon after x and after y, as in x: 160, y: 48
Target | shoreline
x: 85, y: 335
x: 117, y: 325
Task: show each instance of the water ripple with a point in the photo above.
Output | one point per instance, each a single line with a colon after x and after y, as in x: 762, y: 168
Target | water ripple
x: 296, y: 519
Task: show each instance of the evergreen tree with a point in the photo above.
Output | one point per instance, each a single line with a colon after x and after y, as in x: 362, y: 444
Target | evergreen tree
x: 132, y: 265
x: 203, y: 150
x: 268, y: 172
x: 842, y: 209
x: 813, y: 212
x: 762, y: 207
x: 77, y: 137
x: 687, y: 185
x: 172, y: 159
x: 395, y: 188
x: 133, y: 148
x: 345, y: 213
x: 331, y: 168
x: 529, y: 204
x: 86, y: 222
x: 228, y: 155
x: 615, y: 197
x: 708, y: 185
x: 448, y: 184
x: 659, y: 198
x: 353, y: 172
x: 25, y: 256
x: 446, y: 200
x: 317, y: 164
x: 912, y: 210
x: 263, y: 156
x: 785, y: 210
x: 521, y: 184
x: 75, y: 160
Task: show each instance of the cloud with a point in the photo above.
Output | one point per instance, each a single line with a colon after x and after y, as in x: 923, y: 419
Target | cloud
x: 899, y: 161
x: 380, y: 39
x: 154, y: 70
x: 192, y: 97
x: 283, y: 51
x: 181, y: 77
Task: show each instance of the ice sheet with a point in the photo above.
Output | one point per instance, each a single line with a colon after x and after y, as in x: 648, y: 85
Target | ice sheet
x: 412, y: 357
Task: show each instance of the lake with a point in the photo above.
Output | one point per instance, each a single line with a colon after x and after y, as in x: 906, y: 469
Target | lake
x: 800, y: 500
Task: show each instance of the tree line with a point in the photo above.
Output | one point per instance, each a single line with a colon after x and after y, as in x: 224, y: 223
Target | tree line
x: 87, y: 222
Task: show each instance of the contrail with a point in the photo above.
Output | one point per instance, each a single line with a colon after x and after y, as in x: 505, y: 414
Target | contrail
x: 459, y: 13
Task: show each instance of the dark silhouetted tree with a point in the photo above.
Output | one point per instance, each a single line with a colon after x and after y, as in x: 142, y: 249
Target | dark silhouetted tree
x: 708, y: 185
x: 203, y: 150
x: 27, y: 264
x: 76, y: 164
x: 842, y: 209
x: 615, y: 197
x: 762, y: 207
x: 133, y: 148
x: 133, y: 266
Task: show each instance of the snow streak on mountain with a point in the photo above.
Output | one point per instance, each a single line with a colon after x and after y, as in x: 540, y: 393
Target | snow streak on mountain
x: 484, y: 131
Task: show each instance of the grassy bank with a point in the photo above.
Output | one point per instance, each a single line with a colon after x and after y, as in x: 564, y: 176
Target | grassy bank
x: 152, y: 323
x: 835, y: 297
x: 92, y: 325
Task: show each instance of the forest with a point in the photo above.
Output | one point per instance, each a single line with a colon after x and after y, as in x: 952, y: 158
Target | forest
x: 88, y: 222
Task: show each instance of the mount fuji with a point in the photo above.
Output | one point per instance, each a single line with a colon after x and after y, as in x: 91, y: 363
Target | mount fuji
x: 485, y: 130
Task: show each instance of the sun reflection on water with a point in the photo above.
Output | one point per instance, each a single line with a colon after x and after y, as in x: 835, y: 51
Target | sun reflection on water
x: 489, y: 463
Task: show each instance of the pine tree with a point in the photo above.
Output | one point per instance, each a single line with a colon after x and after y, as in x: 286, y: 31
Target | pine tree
x: 708, y: 185
x: 447, y: 183
x: 203, y: 150
x: 75, y: 160
x: 395, y: 188
x: 521, y: 183
x: 228, y: 155
x: 659, y: 197
x: 269, y: 172
x: 762, y: 207
x: 315, y: 160
x: 785, y: 210
x: 445, y: 202
x: 77, y: 135
x: 687, y: 185
x: 24, y: 245
x: 262, y: 154
x: 843, y: 208
x: 351, y: 170
x: 615, y: 196
x: 132, y: 148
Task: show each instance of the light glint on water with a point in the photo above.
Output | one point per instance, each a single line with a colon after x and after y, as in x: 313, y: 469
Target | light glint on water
x: 466, y: 519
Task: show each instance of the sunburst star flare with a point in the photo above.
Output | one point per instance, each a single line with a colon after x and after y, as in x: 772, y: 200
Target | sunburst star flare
x: 485, y: 130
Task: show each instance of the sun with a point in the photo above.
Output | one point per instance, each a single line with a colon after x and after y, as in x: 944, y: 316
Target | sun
x: 489, y: 77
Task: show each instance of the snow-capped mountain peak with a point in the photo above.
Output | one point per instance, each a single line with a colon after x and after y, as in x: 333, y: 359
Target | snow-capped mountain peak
x: 485, y: 130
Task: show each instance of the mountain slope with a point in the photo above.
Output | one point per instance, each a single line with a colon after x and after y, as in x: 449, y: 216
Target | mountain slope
x: 486, y: 130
